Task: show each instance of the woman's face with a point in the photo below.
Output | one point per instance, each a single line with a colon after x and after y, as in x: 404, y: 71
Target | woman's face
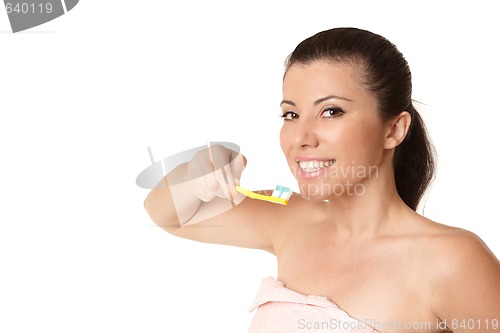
x: 332, y: 135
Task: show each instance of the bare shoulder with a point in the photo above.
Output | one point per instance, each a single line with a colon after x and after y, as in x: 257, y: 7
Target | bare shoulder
x: 450, y: 249
x: 296, y: 219
x: 452, y: 246
x: 460, y: 275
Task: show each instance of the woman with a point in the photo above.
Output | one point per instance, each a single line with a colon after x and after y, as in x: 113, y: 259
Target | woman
x: 352, y: 252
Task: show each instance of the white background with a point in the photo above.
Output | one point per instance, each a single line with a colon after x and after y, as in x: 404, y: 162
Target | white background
x: 83, y: 96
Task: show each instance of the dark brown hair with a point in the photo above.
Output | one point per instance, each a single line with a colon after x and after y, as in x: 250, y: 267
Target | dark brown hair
x: 387, y: 75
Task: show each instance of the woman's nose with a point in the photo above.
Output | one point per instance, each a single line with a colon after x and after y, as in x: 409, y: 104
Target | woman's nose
x: 305, y: 134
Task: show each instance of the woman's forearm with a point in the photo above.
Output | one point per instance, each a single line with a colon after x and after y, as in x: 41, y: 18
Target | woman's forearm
x: 172, y: 203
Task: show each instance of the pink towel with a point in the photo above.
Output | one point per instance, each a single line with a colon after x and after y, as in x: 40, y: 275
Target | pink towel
x: 280, y: 309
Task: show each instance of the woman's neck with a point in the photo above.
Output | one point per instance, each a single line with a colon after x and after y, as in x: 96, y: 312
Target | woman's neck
x: 376, y: 210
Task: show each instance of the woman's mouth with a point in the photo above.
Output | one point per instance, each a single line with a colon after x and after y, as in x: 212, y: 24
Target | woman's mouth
x: 314, y: 168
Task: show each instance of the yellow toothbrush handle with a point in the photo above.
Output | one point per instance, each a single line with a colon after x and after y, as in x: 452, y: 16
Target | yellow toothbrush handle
x: 258, y: 196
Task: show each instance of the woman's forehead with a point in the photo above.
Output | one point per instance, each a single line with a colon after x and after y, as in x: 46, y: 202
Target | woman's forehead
x: 322, y: 77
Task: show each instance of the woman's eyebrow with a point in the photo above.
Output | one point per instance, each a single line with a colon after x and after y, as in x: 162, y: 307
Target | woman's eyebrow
x: 287, y: 102
x: 326, y: 98
x: 318, y: 101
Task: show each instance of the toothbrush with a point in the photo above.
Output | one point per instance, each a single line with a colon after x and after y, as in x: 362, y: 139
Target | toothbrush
x: 280, y: 195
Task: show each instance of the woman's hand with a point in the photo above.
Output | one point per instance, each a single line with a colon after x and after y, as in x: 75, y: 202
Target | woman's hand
x: 214, y: 172
x: 204, y: 187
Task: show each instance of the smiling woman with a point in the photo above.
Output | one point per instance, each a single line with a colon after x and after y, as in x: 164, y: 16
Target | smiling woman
x: 351, y: 248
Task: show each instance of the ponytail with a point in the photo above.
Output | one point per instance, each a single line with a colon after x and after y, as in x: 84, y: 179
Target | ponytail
x: 414, y: 162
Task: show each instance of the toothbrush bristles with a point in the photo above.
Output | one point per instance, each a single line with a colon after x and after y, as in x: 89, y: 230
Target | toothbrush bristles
x: 282, y: 192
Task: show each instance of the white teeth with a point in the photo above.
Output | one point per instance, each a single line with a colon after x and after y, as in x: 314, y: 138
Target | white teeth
x: 312, y: 166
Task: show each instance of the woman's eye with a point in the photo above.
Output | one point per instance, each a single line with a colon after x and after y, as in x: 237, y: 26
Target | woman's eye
x: 289, y: 115
x: 332, y: 113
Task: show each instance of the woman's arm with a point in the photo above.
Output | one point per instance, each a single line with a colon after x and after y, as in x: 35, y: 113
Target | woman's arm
x: 201, y: 205
x: 465, y: 289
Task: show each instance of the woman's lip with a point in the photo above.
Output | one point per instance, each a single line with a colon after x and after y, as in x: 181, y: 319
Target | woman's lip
x: 312, y: 158
x: 315, y: 174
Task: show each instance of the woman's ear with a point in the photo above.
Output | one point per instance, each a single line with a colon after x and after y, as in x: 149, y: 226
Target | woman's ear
x: 397, y: 130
